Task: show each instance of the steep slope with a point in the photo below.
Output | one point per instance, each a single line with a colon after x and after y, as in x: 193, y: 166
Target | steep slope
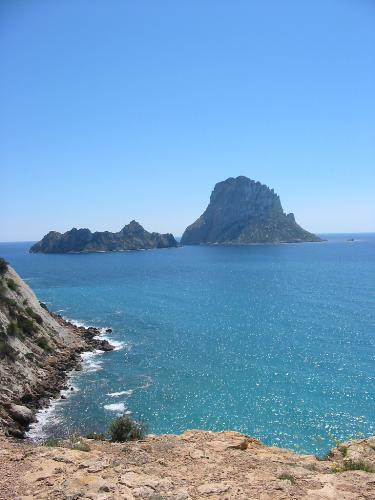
x: 37, y: 348
x: 131, y: 237
x: 242, y: 211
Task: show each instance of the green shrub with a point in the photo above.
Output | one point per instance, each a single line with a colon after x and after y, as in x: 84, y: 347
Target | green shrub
x: 42, y: 342
x: 12, y: 285
x: 3, y: 266
x: 354, y: 465
x: 7, y: 351
x: 27, y: 325
x: 34, y: 315
x: 287, y: 477
x: 125, y: 428
x: 11, y: 303
x: 12, y: 329
x: 30, y: 356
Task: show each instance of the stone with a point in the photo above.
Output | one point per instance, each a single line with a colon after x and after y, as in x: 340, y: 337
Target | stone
x: 212, y: 488
x: 131, y: 237
x: 21, y: 414
x: 242, y: 211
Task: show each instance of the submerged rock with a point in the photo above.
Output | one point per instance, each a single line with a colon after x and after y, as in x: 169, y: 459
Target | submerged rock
x: 242, y: 211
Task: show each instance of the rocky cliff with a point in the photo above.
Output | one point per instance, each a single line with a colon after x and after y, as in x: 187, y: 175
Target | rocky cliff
x: 37, y: 349
x: 242, y: 211
x: 131, y: 237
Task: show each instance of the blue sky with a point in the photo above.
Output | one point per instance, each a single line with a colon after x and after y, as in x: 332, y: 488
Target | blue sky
x: 118, y: 110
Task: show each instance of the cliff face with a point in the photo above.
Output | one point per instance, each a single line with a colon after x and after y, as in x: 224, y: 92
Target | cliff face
x: 131, y: 237
x: 242, y: 211
x: 37, y: 348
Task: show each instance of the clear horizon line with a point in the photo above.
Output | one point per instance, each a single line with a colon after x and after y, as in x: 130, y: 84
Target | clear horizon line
x: 180, y: 235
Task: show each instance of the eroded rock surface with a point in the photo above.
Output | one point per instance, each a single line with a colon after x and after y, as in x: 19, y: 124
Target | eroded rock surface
x: 194, y: 465
x: 242, y: 211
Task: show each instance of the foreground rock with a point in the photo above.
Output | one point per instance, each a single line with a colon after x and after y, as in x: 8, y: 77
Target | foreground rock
x: 131, y: 237
x: 37, y: 350
x: 242, y: 211
x: 195, y: 465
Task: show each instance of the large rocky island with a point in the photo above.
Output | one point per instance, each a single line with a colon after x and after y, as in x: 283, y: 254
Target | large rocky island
x: 242, y: 211
x: 131, y: 237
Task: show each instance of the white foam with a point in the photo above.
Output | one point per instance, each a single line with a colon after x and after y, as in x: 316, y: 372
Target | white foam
x: 104, y: 329
x: 89, y: 363
x: 77, y: 323
x: 129, y: 392
x: 43, y: 416
x: 117, y: 344
x: 119, y: 407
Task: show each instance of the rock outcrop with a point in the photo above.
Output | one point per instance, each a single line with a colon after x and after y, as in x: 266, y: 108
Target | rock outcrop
x: 242, y: 211
x: 194, y: 465
x: 37, y: 349
x: 131, y: 237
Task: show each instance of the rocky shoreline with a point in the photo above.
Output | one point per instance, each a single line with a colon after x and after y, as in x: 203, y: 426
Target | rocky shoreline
x: 38, y: 350
x: 60, y: 369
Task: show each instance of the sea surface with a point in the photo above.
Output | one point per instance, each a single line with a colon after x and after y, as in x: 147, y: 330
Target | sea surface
x: 275, y: 341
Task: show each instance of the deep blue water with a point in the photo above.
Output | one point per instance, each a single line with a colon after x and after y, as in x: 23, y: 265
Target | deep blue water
x: 275, y: 341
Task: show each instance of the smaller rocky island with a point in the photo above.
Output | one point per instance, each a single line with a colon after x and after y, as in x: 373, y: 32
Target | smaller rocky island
x: 131, y: 237
x: 244, y: 212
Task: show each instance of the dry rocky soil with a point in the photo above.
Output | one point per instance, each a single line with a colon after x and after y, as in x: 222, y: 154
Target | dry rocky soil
x: 194, y: 465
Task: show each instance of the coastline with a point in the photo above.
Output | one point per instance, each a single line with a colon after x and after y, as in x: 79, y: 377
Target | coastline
x: 59, y: 388
x: 39, y: 351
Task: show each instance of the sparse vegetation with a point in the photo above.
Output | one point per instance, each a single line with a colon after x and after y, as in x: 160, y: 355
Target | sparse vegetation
x: 287, y: 477
x: 355, y: 465
x: 27, y: 325
x: 34, y: 315
x: 13, y: 329
x: 95, y: 436
x: 125, y: 428
x: 74, y: 442
x: 3, y: 266
x: 12, y: 285
x: 42, y: 342
x: 7, y: 351
x: 52, y: 442
x: 81, y: 446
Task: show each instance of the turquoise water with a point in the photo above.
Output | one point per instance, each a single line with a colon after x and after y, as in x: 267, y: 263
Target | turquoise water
x: 274, y: 341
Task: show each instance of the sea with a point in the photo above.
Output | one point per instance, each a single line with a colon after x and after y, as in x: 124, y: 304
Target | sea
x: 274, y: 341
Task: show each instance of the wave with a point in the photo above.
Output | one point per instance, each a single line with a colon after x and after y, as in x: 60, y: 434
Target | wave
x: 49, y: 414
x: 117, y: 407
x: 77, y: 323
x: 148, y: 382
x: 89, y: 361
x: 129, y: 392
